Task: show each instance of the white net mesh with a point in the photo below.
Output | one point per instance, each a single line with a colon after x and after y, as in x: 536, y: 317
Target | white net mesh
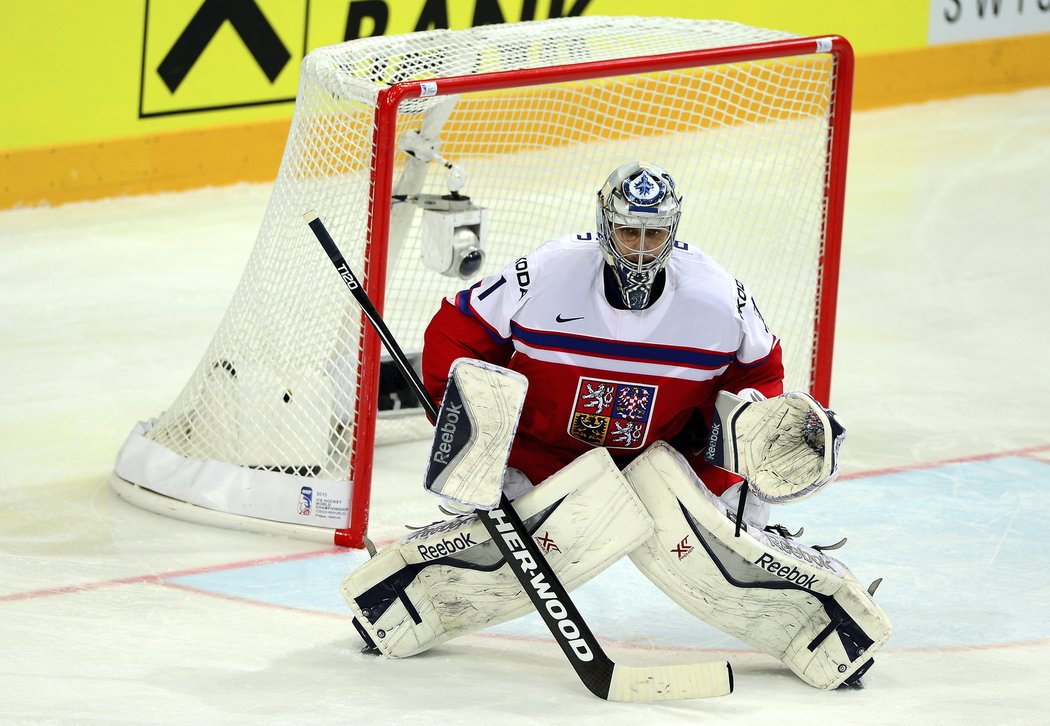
x: 747, y: 143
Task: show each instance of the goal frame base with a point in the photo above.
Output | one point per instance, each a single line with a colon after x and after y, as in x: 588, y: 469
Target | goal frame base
x: 166, y: 506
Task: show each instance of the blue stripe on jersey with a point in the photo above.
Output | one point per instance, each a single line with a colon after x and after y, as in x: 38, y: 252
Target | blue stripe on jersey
x: 642, y: 352
x: 463, y: 302
x: 463, y: 305
x: 763, y: 359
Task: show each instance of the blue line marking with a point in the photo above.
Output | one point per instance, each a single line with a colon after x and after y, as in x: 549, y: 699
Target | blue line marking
x: 307, y: 584
x: 959, y: 547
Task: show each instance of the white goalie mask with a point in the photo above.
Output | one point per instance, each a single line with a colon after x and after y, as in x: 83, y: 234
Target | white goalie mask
x: 638, y: 212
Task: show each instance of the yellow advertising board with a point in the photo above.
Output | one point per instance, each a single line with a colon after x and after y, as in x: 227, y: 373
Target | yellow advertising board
x: 138, y: 95
x: 88, y: 71
x: 220, y: 55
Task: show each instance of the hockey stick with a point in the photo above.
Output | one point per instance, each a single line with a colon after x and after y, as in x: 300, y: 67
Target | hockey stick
x: 599, y: 673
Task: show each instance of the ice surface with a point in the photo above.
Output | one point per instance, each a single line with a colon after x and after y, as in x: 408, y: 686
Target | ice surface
x: 111, y: 614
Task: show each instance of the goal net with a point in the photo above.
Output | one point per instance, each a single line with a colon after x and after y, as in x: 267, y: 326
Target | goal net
x: 276, y: 427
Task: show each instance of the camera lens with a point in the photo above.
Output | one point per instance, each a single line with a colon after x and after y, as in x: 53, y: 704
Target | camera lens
x: 471, y: 263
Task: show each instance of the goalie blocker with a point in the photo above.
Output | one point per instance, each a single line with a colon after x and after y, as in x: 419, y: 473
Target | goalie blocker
x: 473, y: 433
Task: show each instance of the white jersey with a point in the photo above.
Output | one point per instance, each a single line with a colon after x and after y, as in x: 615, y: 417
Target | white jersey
x: 703, y: 320
x: 599, y: 375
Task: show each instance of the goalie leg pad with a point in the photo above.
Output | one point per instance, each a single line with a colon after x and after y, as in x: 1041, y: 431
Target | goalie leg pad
x: 791, y: 601
x: 449, y: 579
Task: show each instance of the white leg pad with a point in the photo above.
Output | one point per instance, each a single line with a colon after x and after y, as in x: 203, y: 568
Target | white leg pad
x: 449, y: 579
x: 791, y: 601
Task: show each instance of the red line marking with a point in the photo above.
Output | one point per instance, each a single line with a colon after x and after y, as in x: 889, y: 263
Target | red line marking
x: 249, y: 601
x: 944, y: 462
x: 162, y: 577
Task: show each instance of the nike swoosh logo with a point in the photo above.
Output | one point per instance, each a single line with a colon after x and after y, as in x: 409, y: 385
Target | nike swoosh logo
x: 560, y: 319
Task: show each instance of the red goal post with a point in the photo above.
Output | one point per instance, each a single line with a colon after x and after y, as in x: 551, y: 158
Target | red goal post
x: 271, y: 435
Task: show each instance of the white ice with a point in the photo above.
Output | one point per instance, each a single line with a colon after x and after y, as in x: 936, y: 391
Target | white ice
x: 109, y: 613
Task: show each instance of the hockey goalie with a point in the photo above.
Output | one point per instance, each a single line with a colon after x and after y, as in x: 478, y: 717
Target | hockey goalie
x: 625, y: 392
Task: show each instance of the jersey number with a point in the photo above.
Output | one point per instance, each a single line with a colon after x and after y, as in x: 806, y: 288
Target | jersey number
x: 495, y: 286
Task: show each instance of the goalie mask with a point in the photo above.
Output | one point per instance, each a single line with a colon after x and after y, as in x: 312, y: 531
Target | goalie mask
x: 638, y: 211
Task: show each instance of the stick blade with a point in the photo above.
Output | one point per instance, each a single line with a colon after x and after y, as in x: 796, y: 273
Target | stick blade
x: 670, y: 683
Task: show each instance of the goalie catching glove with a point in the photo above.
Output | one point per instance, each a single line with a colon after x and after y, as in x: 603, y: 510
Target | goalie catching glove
x: 786, y: 447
